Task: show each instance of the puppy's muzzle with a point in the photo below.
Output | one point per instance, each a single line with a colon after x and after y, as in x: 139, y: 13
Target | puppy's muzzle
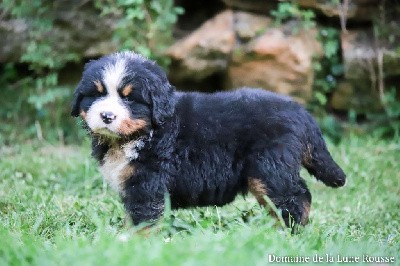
x: 107, y: 117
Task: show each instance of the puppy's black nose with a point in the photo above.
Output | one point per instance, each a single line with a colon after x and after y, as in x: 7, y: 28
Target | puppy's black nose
x: 107, y: 117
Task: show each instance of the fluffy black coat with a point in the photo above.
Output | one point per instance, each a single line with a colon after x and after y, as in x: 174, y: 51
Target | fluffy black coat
x: 205, y: 149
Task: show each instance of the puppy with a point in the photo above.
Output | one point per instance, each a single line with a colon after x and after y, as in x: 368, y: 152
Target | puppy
x: 202, y: 149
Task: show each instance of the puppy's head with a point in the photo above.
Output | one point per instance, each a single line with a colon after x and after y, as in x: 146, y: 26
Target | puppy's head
x: 122, y: 95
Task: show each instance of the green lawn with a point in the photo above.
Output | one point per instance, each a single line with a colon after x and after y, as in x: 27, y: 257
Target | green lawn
x: 55, y: 209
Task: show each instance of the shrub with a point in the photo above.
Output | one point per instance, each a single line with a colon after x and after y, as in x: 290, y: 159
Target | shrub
x: 33, y: 101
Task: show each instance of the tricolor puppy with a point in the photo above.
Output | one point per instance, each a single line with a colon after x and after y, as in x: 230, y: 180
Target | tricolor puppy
x: 202, y: 149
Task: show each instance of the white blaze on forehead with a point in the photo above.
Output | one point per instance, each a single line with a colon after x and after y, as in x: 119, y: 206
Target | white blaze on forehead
x: 131, y: 55
x: 113, y: 75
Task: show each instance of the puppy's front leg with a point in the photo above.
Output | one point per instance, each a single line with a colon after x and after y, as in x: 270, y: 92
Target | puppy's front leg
x: 144, y: 202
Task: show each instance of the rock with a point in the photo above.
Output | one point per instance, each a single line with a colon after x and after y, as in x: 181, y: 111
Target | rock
x: 248, y: 26
x: 355, y: 95
x: 248, y: 51
x: 276, y: 61
x: 361, y: 56
x: 195, y: 13
x: 357, y: 10
x: 341, y: 97
x: 78, y: 28
x: 13, y: 35
x: 358, y: 53
x: 256, y: 6
x: 205, y: 51
x: 364, y: 58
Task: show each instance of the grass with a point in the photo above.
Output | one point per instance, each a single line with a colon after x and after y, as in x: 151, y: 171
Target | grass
x: 55, y: 209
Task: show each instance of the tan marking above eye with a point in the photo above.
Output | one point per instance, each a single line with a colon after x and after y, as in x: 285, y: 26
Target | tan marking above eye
x: 99, y: 87
x: 127, y: 90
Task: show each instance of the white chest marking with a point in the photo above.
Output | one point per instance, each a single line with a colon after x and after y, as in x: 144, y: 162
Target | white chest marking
x: 115, y: 168
x: 117, y: 164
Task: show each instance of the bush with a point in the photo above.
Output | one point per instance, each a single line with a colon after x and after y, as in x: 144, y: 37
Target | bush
x: 34, y: 104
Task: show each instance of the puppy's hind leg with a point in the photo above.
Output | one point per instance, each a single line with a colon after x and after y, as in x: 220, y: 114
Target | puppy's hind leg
x: 258, y: 188
x: 294, y: 204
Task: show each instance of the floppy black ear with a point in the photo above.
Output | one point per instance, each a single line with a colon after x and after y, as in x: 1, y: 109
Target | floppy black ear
x: 163, y: 102
x: 76, y: 101
x: 78, y: 96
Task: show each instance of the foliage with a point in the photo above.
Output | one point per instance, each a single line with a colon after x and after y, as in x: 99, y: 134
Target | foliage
x: 386, y: 37
x: 329, y: 68
x: 385, y: 26
x: 387, y: 123
x: 41, y: 101
x: 33, y: 101
x: 144, y: 26
x: 56, y: 210
x: 290, y: 11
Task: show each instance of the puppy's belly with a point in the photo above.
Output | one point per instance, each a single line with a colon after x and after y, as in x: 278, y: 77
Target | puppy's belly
x: 200, y: 193
x: 116, y: 168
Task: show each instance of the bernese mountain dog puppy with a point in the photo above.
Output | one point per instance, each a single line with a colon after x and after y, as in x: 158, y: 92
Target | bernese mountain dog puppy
x: 201, y: 149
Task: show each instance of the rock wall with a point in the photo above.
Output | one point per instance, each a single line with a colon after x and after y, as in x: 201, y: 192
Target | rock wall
x: 226, y: 44
x: 244, y: 47
x: 77, y: 28
x: 248, y: 51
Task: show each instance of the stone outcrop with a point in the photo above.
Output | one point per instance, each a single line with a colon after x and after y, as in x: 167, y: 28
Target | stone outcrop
x: 249, y: 51
x: 361, y: 55
x: 256, y: 6
x: 13, y: 35
x: 248, y: 25
x: 261, y: 54
x: 356, y: 10
x: 276, y: 61
x: 358, y: 96
x: 205, y: 51
x: 368, y: 64
x: 78, y: 28
x: 241, y: 46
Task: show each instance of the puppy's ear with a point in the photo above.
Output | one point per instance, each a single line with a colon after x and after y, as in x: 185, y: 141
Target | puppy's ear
x: 159, y: 93
x: 78, y: 96
x: 163, y: 102
x: 76, y: 101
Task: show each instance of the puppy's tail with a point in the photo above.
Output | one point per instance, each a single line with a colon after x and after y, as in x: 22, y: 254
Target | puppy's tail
x: 317, y: 159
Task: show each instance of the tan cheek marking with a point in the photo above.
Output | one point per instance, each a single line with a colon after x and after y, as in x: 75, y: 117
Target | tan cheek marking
x: 83, y: 114
x: 127, y: 90
x: 99, y: 87
x: 129, y: 126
